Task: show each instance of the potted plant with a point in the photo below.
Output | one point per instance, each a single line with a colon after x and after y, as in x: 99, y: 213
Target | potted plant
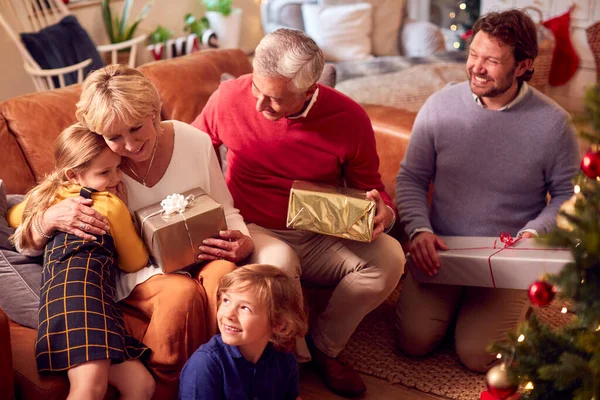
x: 225, y: 21
x: 158, y: 39
x: 118, y: 27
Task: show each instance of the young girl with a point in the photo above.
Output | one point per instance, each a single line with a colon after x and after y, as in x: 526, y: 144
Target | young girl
x: 260, y: 315
x: 80, y: 329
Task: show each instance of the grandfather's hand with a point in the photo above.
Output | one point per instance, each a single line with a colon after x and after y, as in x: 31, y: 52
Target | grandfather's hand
x: 383, y: 215
x: 233, y: 246
x: 423, y: 251
x: 75, y: 215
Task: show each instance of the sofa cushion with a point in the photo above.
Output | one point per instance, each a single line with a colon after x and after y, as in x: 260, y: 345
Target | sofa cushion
x: 14, y: 168
x: 20, y: 276
x: 185, y: 83
x: 387, y: 18
x: 343, y: 32
x: 36, y: 120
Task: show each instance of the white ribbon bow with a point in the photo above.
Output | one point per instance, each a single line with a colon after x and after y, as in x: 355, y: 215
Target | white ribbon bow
x: 174, y: 203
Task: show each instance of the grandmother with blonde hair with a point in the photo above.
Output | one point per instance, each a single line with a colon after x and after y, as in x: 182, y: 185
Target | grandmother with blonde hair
x: 280, y: 125
x: 159, y: 158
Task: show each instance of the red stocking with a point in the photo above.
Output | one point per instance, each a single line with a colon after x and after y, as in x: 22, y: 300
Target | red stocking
x: 564, y: 60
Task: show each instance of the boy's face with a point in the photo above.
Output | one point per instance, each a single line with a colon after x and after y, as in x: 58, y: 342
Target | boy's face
x: 244, y: 322
x: 103, y: 173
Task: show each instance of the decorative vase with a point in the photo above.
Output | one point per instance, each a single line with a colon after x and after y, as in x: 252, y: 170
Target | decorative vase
x: 227, y: 28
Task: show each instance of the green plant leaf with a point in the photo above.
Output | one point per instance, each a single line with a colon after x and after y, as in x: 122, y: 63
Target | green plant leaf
x: 122, y: 26
x: 106, y: 15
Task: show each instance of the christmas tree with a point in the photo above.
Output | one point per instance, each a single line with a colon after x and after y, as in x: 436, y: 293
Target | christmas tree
x: 543, y: 363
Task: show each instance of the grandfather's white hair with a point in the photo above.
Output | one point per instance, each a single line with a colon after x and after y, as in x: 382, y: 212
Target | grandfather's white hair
x: 291, y: 54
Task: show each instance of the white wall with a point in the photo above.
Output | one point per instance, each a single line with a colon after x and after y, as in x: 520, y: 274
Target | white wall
x: 169, y: 13
x: 586, y: 12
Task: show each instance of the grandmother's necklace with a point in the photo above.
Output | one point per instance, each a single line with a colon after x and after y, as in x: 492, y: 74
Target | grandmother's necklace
x: 149, y: 166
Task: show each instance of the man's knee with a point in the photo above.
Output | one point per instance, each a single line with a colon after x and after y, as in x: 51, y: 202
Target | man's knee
x: 282, y: 257
x: 413, y: 340
x: 391, y: 262
x: 473, y: 354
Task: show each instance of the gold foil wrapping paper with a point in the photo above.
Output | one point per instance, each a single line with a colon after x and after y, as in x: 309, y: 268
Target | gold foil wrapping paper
x: 337, y: 211
x: 173, y: 240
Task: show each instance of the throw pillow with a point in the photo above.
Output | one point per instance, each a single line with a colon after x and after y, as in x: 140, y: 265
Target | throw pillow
x: 387, y: 19
x: 6, y: 203
x: 61, y: 45
x: 5, y: 230
x: 342, y: 32
x: 20, y: 276
x: 20, y: 280
x: 328, y: 76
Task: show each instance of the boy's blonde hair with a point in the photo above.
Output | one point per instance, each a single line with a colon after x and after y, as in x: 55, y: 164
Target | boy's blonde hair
x: 116, y: 93
x: 74, y: 148
x: 276, y: 291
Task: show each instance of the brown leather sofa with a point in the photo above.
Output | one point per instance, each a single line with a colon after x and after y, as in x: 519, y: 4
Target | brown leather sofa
x: 29, y: 125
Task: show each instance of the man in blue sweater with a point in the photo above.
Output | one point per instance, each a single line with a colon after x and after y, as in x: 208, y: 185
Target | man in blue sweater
x: 493, y: 147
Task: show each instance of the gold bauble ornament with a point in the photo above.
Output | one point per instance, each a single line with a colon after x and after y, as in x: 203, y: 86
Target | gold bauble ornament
x: 497, y: 377
x: 568, y: 207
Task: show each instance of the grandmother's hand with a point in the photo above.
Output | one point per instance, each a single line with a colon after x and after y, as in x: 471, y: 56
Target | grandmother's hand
x: 233, y: 246
x: 75, y: 215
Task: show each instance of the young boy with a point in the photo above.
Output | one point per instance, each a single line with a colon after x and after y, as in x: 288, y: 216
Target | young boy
x: 260, y: 315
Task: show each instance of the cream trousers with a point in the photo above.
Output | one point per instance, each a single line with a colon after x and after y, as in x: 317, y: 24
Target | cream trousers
x: 363, y: 275
x: 483, y: 315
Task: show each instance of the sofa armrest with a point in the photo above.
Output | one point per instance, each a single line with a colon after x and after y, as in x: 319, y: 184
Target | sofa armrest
x: 7, y: 386
x: 392, y: 127
x: 420, y: 39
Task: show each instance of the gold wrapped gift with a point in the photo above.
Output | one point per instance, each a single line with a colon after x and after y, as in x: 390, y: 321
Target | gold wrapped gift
x: 173, y: 230
x: 336, y: 211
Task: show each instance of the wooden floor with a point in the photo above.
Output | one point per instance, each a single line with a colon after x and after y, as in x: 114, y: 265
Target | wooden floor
x: 312, y: 388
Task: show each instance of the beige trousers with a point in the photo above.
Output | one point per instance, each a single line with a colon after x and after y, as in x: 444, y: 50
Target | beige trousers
x: 363, y: 274
x: 483, y: 315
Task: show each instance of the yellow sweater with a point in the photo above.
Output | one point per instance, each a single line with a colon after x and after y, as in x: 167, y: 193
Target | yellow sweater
x: 132, y: 254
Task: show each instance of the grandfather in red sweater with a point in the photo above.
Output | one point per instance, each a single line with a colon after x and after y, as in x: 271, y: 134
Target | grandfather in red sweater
x: 280, y: 125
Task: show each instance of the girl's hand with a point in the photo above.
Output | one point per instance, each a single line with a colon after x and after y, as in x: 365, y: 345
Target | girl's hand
x: 75, y: 215
x: 233, y: 246
x: 122, y: 192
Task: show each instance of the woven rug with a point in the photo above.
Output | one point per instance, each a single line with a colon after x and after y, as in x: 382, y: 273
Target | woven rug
x: 371, y: 351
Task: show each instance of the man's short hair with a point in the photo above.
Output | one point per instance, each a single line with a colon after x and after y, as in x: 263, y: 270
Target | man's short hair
x: 513, y: 28
x: 290, y: 54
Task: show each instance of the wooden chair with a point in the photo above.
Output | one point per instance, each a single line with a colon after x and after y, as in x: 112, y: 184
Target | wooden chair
x: 34, y: 15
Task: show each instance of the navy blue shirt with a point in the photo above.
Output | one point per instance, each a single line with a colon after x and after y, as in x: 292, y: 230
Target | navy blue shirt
x: 219, y: 371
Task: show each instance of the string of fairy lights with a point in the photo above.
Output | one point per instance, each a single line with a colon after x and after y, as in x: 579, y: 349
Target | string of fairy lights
x: 461, y: 20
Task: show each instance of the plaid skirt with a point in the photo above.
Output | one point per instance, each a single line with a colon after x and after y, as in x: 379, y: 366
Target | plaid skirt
x: 78, y: 318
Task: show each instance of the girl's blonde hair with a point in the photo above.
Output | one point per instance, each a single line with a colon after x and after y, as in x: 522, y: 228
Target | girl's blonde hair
x: 74, y: 148
x: 116, y: 93
x: 276, y: 291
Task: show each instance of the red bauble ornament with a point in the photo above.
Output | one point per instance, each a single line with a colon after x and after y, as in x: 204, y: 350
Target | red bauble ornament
x: 590, y: 164
x: 541, y: 293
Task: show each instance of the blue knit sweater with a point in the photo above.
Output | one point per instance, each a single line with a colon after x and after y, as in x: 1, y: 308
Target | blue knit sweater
x: 490, y: 169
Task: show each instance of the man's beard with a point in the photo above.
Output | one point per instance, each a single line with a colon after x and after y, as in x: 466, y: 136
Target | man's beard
x: 495, y: 90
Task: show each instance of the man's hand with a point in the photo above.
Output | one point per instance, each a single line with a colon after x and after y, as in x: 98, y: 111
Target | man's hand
x: 528, y: 235
x: 383, y: 215
x: 233, y: 246
x: 423, y: 251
